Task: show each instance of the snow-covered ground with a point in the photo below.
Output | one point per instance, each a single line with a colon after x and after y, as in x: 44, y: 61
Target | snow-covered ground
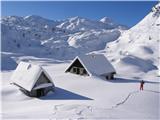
x: 79, y: 97
x: 134, y: 53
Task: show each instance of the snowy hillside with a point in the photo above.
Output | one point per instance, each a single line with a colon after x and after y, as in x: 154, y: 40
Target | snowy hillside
x: 37, y: 36
x: 137, y: 49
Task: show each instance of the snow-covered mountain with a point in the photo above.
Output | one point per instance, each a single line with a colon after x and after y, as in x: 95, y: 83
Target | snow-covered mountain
x: 137, y: 49
x: 110, y: 23
x: 134, y: 53
x: 77, y: 24
x: 37, y: 36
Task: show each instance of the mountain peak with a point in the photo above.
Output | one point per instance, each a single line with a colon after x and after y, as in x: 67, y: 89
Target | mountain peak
x: 75, y: 18
x: 34, y: 17
x: 31, y: 16
x: 105, y: 20
x: 156, y: 10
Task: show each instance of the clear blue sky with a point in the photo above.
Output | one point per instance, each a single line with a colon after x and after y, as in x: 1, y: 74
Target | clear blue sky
x: 128, y: 13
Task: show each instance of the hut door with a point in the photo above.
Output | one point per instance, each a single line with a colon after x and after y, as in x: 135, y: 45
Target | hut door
x: 40, y: 92
x: 78, y: 70
x: 74, y: 70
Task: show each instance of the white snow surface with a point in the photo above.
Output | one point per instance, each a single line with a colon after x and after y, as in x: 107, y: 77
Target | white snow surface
x: 134, y: 55
x: 79, y: 97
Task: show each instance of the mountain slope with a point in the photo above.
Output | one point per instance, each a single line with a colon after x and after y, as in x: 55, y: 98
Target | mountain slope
x: 138, y: 47
x: 77, y: 24
x: 40, y: 37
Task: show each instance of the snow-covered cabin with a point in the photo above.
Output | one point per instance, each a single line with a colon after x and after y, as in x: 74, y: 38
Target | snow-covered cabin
x: 32, y: 79
x: 92, y: 64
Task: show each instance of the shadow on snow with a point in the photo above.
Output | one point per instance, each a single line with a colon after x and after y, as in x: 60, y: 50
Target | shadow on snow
x: 62, y: 94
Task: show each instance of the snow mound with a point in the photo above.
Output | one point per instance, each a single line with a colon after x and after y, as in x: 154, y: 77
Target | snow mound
x: 11, y: 93
x: 141, y: 64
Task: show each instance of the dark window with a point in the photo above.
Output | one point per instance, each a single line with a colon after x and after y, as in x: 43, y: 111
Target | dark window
x: 78, y: 71
x: 40, y: 92
x: 74, y: 70
x: 77, y: 68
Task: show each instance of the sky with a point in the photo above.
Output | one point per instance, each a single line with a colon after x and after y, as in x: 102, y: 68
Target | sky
x: 126, y: 12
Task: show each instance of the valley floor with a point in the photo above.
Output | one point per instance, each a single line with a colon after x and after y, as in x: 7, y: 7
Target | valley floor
x: 79, y: 97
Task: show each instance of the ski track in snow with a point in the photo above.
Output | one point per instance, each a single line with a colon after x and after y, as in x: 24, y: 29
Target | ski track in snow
x: 79, y: 110
x: 125, y: 100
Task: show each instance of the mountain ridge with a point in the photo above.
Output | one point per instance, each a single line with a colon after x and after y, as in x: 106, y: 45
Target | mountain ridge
x: 138, y: 47
x: 51, y: 37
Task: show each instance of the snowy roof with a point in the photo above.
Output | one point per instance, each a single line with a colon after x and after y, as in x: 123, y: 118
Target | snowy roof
x: 27, y: 74
x: 95, y: 64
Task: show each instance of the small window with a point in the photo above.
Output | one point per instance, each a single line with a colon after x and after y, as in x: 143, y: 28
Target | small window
x: 81, y: 71
x: 74, y: 70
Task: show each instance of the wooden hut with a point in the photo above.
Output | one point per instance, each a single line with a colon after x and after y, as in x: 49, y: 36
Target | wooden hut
x: 32, y: 79
x: 92, y: 64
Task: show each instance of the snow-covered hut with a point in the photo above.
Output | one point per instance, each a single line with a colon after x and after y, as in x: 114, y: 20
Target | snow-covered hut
x: 92, y: 64
x: 32, y: 79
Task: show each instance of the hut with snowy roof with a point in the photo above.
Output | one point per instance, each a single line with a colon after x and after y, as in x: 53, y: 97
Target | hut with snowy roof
x: 32, y: 79
x: 92, y: 64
